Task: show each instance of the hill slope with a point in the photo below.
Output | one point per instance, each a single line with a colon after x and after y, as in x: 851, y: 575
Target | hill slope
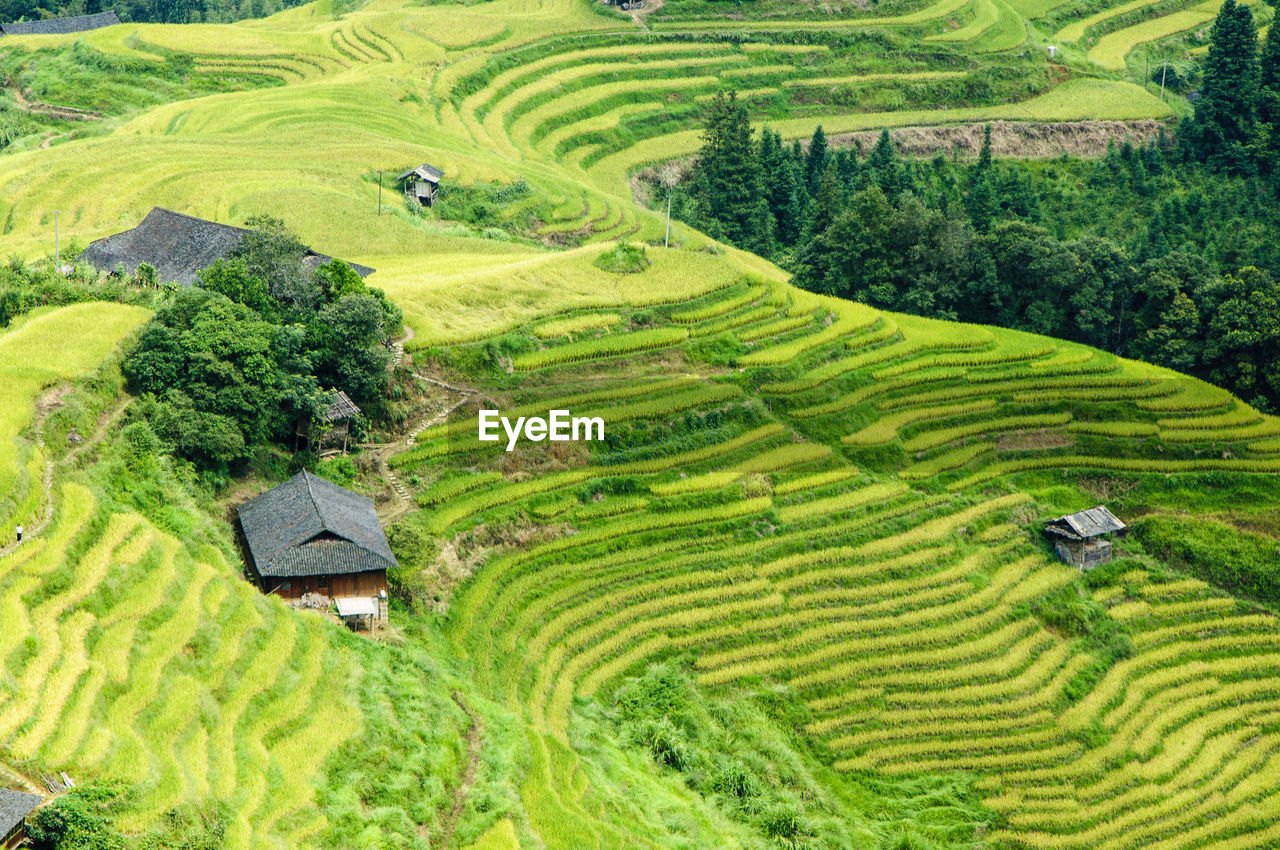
x: 809, y: 542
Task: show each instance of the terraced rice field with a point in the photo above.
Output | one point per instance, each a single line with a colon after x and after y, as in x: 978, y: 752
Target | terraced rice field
x: 36, y: 355
x: 103, y: 683
x: 842, y: 520
x: 133, y: 654
x: 571, y: 101
x: 881, y: 578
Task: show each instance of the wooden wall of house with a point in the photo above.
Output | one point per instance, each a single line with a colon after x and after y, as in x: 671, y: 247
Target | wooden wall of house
x: 14, y: 838
x: 372, y: 583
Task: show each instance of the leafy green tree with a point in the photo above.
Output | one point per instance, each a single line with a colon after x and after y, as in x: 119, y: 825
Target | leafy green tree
x: 1242, y: 339
x: 851, y: 258
x: 273, y: 253
x: 233, y: 279
x: 348, y: 353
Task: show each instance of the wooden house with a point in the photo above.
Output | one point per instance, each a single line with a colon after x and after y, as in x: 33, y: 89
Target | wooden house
x: 310, y: 536
x: 422, y: 184
x: 1080, y: 539
x: 332, y: 426
x: 62, y: 26
x: 178, y: 247
x: 14, y: 808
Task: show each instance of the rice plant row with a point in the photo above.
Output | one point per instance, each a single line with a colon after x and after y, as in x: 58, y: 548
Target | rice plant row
x: 607, y: 346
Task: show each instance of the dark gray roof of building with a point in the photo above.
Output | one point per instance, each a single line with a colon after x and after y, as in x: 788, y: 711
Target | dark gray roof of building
x: 427, y: 172
x: 308, y: 526
x: 14, y: 806
x: 178, y: 247
x: 1094, y: 522
x: 58, y: 26
x: 342, y: 407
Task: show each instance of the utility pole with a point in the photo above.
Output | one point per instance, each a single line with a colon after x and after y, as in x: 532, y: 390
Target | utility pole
x: 57, y: 259
x: 379, y: 192
x: 1163, y: 71
x: 666, y: 242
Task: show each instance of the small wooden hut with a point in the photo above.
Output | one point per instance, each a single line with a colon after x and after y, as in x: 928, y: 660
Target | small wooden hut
x: 14, y: 808
x: 310, y: 536
x: 331, y: 426
x: 1080, y: 539
x: 422, y: 184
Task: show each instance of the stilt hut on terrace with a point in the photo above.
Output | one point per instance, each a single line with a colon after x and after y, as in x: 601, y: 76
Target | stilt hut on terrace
x: 1080, y: 538
x: 422, y: 183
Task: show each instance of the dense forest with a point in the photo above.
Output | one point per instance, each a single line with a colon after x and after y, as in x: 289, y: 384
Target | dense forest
x: 1165, y: 252
x: 164, y: 11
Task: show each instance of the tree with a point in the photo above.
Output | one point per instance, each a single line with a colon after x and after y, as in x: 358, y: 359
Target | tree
x: 1226, y: 127
x: 233, y: 279
x: 1269, y: 99
x: 727, y: 181
x: 1242, y: 338
x: 273, y: 253
x: 827, y: 202
x: 815, y: 164
x: 883, y: 165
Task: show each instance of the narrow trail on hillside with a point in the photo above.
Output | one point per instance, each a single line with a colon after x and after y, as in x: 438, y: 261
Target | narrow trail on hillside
x: 66, y: 113
x: 402, y: 502
x: 474, y: 735
x: 105, y: 420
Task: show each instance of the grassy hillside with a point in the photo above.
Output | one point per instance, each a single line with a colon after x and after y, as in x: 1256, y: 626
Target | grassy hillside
x: 797, y: 597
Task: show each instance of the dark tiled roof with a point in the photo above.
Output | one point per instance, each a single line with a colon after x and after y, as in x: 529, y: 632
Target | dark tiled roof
x: 58, y: 26
x: 427, y: 172
x: 14, y: 806
x: 340, y: 408
x: 178, y: 247
x: 1094, y: 522
x: 309, y: 526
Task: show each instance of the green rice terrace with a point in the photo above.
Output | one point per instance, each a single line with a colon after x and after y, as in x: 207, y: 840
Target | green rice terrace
x: 798, y: 596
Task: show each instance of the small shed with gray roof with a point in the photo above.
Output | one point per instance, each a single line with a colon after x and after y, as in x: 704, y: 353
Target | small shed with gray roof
x: 14, y: 808
x: 422, y: 183
x: 310, y: 536
x: 178, y: 247
x: 331, y: 426
x: 62, y: 26
x: 1080, y: 539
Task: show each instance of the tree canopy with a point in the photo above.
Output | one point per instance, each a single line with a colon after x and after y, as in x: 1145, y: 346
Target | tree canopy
x: 258, y: 344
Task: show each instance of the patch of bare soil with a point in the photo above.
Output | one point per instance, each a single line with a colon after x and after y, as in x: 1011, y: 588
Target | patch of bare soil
x: 51, y: 401
x: 66, y: 113
x: 1105, y: 488
x: 461, y: 557
x: 1031, y: 440
x: 1019, y: 139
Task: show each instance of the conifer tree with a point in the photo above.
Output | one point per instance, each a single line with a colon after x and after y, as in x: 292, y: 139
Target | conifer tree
x: 883, y: 165
x: 981, y: 202
x: 1269, y: 99
x: 1226, y: 115
x: 816, y: 161
x: 728, y: 174
x: 827, y: 202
